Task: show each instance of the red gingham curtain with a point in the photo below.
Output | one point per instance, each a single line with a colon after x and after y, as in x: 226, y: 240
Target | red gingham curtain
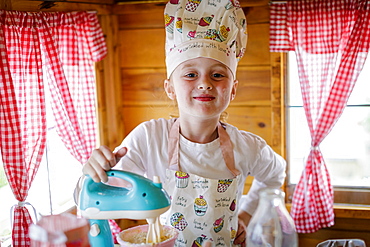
x: 65, y: 45
x: 331, y: 41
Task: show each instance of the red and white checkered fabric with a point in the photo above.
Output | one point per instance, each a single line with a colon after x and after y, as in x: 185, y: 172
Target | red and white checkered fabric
x: 279, y: 32
x: 331, y: 40
x: 65, y: 45
x: 115, y: 229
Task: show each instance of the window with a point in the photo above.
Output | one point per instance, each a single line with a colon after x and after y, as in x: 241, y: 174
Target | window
x: 52, y: 189
x: 346, y: 150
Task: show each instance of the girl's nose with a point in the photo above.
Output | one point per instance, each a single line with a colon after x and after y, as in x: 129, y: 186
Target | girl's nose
x: 204, y: 87
x: 204, y: 82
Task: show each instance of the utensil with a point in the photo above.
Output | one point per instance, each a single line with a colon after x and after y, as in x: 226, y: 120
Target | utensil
x: 143, y: 199
x: 342, y: 243
x: 154, y: 230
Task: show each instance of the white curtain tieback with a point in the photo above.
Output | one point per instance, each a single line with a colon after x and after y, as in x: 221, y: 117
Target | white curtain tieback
x: 21, y: 204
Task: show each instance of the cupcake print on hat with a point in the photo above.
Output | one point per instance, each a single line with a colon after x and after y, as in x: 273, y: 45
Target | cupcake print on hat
x: 205, y: 21
x: 182, y: 179
x: 192, y: 5
x: 179, y: 24
x: 200, y: 206
x: 168, y: 21
x: 178, y: 221
x: 232, y: 4
x: 223, y: 33
x: 191, y: 34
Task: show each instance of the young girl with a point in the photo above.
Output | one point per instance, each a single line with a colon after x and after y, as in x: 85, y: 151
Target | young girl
x: 202, y: 162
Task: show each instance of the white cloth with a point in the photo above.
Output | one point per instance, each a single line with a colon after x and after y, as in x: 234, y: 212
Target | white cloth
x: 148, y: 155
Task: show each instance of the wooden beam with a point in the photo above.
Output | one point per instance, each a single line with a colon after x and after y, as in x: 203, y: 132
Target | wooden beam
x: 6, y: 4
x: 142, y: 6
x: 35, y: 6
x: 243, y: 3
x: 277, y: 103
x: 109, y: 89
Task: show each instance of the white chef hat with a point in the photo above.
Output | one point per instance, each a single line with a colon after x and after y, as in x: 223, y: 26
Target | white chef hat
x: 204, y: 28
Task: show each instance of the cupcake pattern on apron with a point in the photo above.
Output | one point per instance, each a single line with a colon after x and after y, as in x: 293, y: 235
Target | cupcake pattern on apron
x: 202, y: 208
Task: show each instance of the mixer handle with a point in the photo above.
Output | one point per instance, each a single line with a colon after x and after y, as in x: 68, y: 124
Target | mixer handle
x: 135, y: 179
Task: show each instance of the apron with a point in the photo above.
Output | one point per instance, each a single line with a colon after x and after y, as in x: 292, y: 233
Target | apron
x: 202, y: 209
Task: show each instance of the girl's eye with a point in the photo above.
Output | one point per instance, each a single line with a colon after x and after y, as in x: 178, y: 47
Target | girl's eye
x: 218, y: 75
x: 191, y: 75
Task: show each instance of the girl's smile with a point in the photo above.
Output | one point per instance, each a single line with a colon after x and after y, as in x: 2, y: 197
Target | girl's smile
x: 204, y: 97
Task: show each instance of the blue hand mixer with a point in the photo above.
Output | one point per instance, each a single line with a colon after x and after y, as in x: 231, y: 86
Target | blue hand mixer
x: 99, y: 202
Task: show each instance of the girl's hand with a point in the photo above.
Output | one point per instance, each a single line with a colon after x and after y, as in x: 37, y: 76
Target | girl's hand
x: 100, y: 161
x: 241, y: 234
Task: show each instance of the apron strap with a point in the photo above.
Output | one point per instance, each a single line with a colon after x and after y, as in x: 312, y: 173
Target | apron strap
x: 225, y: 145
x: 173, y: 146
x: 227, y: 149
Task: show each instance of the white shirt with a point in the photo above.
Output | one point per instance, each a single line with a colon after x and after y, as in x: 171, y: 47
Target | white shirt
x: 147, y: 155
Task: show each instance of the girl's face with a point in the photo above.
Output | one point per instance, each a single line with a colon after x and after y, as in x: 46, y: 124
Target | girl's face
x: 203, y: 87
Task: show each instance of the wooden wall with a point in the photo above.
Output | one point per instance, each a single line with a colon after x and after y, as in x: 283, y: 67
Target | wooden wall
x: 130, y: 85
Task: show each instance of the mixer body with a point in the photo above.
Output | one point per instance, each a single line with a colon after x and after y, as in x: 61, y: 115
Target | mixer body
x: 99, y: 202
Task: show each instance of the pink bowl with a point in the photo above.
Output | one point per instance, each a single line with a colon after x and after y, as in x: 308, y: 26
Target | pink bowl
x: 125, y: 238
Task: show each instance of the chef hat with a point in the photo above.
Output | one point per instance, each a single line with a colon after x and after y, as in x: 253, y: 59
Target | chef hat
x: 204, y: 28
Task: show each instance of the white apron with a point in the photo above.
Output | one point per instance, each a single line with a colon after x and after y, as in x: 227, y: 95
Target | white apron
x: 202, y: 208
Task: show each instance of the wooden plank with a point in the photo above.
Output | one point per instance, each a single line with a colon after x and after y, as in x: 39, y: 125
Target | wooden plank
x: 142, y: 48
x: 247, y: 3
x: 349, y: 229
x: 253, y: 86
x: 144, y: 16
x: 254, y: 119
x: 132, y: 5
x: 34, y: 6
x: 135, y: 115
x: 139, y: 8
x: 100, y: 104
x: 144, y: 87
x: 111, y: 128
x: 6, y: 4
x: 138, y: 52
x: 352, y: 212
x: 142, y: 19
x: 257, y: 14
x: 258, y: 51
x: 88, y: 1
x: 277, y: 103
x: 78, y: 1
